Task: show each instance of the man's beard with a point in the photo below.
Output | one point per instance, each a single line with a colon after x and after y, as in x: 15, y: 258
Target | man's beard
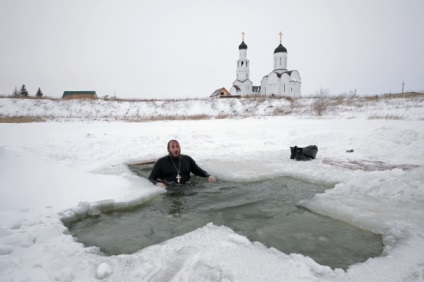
x: 175, y: 155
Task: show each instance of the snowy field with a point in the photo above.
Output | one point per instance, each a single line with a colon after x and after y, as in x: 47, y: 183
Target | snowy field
x: 57, y: 170
x: 344, y: 106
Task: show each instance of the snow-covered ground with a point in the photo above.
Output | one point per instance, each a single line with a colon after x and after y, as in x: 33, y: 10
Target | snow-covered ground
x: 56, y: 170
x: 392, y: 107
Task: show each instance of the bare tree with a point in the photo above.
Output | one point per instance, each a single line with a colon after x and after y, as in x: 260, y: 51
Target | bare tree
x: 320, y: 103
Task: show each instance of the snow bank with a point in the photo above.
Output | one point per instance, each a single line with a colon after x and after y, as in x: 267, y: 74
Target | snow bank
x: 396, y: 108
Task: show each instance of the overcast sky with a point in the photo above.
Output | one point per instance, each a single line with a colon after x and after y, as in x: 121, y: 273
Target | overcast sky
x: 189, y: 48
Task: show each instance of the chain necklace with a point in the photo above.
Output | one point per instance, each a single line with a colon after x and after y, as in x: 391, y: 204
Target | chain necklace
x: 178, y: 177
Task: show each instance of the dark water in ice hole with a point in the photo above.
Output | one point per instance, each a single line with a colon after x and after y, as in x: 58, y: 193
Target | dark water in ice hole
x: 263, y: 211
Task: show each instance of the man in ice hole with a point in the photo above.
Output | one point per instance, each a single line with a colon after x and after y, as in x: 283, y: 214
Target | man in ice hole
x: 175, y: 168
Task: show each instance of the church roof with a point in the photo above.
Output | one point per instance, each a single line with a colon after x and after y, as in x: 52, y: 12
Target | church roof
x: 280, y: 49
x: 280, y: 74
x: 242, y: 45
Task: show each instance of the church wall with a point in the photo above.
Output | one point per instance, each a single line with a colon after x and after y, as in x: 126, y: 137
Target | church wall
x: 245, y: 88
x: 242, y: 74
x: 272, y: 84
x: 295, y: 89
x: 242, y: 65
x: 284, y: 85
x: 263, y: 85
x: 280, y: 61
x: 272, y: 89
x: 295, y: 76
x: 243, y: 53
x: 295, y: 84
x: 233, y: 91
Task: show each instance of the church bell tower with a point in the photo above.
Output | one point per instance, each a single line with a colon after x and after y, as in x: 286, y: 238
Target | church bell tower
x: 242, y: 85
x: 242, y: 62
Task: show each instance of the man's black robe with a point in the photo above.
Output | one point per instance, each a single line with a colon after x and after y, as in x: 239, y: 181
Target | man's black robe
x: 165, y: 170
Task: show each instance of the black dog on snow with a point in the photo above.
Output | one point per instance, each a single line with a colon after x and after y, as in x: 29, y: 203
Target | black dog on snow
x: 303, y: 154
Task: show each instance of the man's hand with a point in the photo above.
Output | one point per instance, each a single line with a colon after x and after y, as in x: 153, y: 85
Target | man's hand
x: 161, y: 185
x: 212, y: 179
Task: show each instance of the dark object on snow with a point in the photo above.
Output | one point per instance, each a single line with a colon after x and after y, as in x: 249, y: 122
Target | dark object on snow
x: 303, y: 154
x: 349, y: 151
x: 299, y: 156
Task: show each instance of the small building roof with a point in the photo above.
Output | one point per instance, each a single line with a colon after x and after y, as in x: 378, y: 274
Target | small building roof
x: 78, y: 94
x: 220, y: 91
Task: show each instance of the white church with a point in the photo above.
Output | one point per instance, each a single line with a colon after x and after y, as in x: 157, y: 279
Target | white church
x: 279, y: 82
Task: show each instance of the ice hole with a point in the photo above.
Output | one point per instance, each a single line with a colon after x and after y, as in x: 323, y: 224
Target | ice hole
x: 265, y: 211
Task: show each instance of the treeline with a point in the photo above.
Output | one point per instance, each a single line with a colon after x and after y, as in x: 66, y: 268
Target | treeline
x: 23, y: 92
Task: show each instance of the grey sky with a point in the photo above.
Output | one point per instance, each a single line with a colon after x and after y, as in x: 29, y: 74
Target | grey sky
x: 188, y: 48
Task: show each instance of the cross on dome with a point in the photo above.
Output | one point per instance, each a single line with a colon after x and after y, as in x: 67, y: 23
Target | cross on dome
x: 280, y: 48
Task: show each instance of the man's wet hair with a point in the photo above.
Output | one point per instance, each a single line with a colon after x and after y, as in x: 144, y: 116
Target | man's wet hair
x: 169, y: 143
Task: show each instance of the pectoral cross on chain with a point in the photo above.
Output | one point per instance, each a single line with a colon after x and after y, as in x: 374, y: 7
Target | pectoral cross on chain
x: 178, y: 178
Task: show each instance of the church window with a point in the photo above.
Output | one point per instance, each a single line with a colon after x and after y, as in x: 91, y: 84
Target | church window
x: 280, y: 61
x: 284, y: 88
x: 291, y: 89
x: 242, y: 63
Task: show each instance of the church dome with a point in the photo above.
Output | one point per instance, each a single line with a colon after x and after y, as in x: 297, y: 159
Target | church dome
x: 242, y: 45
x: 280, y: 49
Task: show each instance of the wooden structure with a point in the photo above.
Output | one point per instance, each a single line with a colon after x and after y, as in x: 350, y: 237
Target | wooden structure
x: 222, y: 93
